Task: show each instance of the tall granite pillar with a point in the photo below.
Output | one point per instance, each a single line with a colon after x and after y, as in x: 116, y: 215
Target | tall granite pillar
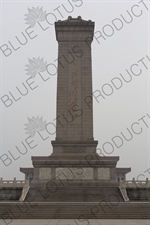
x: 74, y: 87
x: 74, y: 82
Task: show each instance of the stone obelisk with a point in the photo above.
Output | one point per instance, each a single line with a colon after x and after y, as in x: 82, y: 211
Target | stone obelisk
x: 74, y: 121
x: 74, y: 156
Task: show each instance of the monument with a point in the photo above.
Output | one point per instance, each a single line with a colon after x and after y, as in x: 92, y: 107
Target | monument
x: 74, y: 167
x: 74, y: 181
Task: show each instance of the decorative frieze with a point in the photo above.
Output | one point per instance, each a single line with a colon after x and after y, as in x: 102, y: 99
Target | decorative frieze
x: 75, y: 36
x: 103, y: 173
x: 45, y: 173
x: 74, y: 173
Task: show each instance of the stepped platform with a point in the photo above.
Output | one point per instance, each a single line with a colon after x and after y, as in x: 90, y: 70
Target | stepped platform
x: 74, y: 191
x: 77, y: 222
x: 74, y: 210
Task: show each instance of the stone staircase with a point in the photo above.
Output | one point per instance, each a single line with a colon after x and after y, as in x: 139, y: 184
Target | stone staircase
x: 81, y: 211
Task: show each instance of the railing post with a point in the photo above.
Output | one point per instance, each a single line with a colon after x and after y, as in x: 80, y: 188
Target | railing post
x: 15, y: 182
x: 1, y: 181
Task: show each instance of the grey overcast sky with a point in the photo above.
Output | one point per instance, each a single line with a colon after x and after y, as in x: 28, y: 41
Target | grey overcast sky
x: 120, y: 70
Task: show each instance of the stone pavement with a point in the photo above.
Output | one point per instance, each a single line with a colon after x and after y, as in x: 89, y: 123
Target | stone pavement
x: 76, y: 222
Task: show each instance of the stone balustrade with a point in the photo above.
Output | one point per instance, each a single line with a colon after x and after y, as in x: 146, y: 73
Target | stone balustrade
x: 135, y: 183
x: 12, y: 183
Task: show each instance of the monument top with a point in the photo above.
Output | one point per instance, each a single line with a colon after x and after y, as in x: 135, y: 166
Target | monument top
x: 74, y: 29
x: 74, y: 21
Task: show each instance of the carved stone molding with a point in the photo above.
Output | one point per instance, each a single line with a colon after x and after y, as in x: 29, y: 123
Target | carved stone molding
x: 74, y: 149
x: 75, y: 36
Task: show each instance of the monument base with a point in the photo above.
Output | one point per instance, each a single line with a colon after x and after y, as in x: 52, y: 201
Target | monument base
x: 82, y: 177
x: 74, y: 191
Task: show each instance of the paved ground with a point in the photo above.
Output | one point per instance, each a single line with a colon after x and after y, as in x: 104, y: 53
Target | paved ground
x: 75, y: 222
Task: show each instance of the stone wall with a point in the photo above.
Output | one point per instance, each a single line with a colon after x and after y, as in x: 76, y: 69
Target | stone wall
x: 10, y: 194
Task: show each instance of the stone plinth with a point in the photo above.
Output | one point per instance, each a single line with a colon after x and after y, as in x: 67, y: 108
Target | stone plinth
x: 87, y: 167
